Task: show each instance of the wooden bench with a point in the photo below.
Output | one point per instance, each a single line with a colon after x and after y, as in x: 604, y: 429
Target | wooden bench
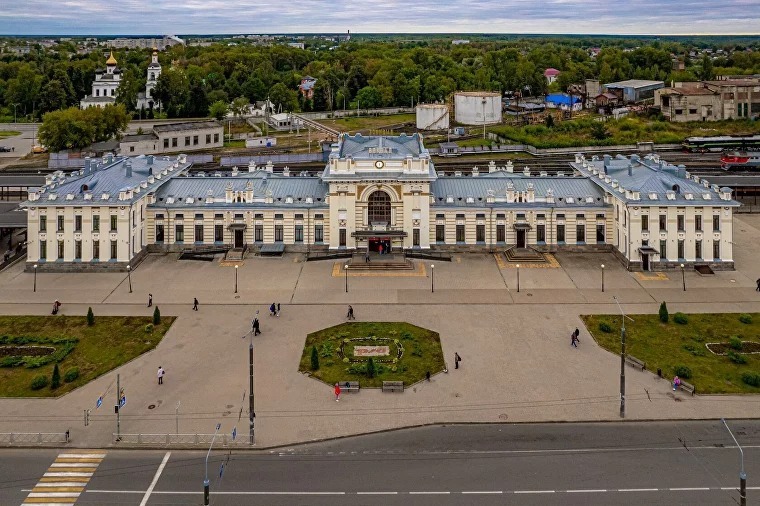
x: 687, y: 387
x: 635, y: 362
x: 393, y: 386
x: 349, y: 386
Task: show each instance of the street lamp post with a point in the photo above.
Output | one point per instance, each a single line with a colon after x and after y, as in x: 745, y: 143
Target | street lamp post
x: 129, y: 277
x: 345, y: 269
x: 205, y: 481
x: 432, y: 278
x: 251, y: 412
x: 35, y: 277
x: 14, y: 112
x: 683, y: 277
x: 236, y: 278
x: 602, y: 277
x: 518, y: 278
x: 742, y: 474
x: 176, y: 416
x: 622, y: 358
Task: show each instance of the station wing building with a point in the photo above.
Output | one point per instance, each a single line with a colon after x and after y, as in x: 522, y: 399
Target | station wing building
x: 378, y: 192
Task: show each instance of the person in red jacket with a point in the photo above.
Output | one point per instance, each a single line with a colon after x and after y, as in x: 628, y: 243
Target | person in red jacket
x: 337, y: 392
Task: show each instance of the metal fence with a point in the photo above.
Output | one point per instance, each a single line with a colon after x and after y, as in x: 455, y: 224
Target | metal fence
x: 33, y: 438
x: 229, y: 161
x: 200, y: 158
x: 223, y: 440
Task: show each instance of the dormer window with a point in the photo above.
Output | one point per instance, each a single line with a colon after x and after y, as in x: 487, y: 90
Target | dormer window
x: 105, y: 196
x: 706, y: 196
x: 689, y: 196
x: 288, y: 199
x: 449, y: 199
x: 189, y: 200
x: 69, y: 196
x: 652, y: 196
x: 170, y: 200
x: 470, y: 200
x: 570, y: 200
x: 52, y: 196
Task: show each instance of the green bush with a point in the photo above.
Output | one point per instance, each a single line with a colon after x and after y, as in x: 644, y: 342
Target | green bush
x: 55, y: 380
x: 605, y: 327
x: 745, y: 318
x: 314, y: 359
x: 664, y: 312
x: 149, y: 328
x: 370, y: 368
x: 751, y: 378
x: 697, y: 351
x: 39, y: 382
x: 682, y: 371
x: 735, y: 343
x: 326, y: 350
x: 90, y: 317
x: 71, y: 375
x: 736, y: 358
x: 680, y: 319
x: 11, y: 361
x: 156, y: 316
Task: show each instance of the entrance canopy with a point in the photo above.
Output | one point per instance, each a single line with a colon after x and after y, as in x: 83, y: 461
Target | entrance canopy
x: 378, y: 234
x: 237, y: 226
x: 522, y: 226
x: 648, y: 250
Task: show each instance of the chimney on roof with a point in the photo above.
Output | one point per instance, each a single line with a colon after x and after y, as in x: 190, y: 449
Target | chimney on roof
x: 128, y: 168
x: 630, y: 168
x: 150, y: 159
x: 87, y: 164
x: 607, y: 159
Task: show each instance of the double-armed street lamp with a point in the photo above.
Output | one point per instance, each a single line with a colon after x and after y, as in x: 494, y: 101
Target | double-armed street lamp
x: 602, y: 277
x: 432, y: 278
x: 206, y: 483
x: 742, y: 474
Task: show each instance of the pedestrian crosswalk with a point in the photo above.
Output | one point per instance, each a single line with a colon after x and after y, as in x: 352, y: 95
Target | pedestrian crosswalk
x: 65, y: 479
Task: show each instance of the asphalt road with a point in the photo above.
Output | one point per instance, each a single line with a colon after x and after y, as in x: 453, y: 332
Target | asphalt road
x: 585, y: 464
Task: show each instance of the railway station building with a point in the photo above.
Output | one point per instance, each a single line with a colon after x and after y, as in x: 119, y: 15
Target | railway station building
x: 378, y: 192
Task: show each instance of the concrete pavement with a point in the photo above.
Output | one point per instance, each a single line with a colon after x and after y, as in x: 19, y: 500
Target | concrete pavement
x: 517, y: 361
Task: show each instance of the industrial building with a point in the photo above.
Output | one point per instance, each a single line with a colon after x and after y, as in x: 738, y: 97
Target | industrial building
x: 477, y: 107
x: 634, y: 90
x: 710, y: 100
x: 174, y: 137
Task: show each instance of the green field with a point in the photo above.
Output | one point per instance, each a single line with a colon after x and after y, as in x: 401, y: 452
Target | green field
x: 369, y: 123
x: 8, y: 133
x: 668, y: 345
x: 420, y: 351
x: 112, y: 341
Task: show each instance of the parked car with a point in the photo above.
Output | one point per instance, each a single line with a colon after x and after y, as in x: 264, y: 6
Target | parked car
x: 5, y: 149
x: 39, y: 149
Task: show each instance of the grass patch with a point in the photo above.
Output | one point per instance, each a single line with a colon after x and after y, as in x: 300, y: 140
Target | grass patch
x: 8, y: 133
x: 416, y: 350
x: 112, y: 341
x: 667, y: 346
x: 471, y: 143
x: 353, y: 124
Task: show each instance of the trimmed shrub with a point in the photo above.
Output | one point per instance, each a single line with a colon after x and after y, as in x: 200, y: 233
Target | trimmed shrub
x: 683, y: 371
x: 370, y: 368
x: 751, y: 378
x: 745, y: 318
x: 314, y: 359
x: 664, y: 313
x: 71, y: 375
x: 605, y: 327
x: 680, y: 319
x: 735, y: 343
x: 55, y: 380
x: 90, y: 317
x: 39, y: 382
x: 736, y: 358
x: 149, y: 328
x: 156, y: 316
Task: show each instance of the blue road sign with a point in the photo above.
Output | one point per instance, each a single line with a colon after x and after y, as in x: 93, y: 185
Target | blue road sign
x: 123, y: 401
x: 99, y: 402
x: 234, y: 433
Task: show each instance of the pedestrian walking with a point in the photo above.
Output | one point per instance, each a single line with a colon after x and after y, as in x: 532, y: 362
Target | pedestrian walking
x: 457, y: 359
x: 676, y: 382
x: 337, y: 392
x: 256, y: 330
x: 758, y: 285
x: 195, y: 304
x: 427, y: 375
x: 574, y: 340
x: 350, y: 314
x: 380, y: 249
x: 272, y: 309
x: 56, y: 307
x: 160, y: 375
x: 366, y: 257
x: 278, y: 309
x: 150, y: 300
x: 577, y: 333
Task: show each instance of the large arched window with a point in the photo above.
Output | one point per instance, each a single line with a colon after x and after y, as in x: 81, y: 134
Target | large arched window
x: 379, y: 207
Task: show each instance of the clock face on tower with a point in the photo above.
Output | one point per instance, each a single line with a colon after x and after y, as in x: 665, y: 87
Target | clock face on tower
x: 379, y: 164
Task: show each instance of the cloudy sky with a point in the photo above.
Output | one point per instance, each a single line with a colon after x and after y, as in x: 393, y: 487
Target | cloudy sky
x: 99, y: 17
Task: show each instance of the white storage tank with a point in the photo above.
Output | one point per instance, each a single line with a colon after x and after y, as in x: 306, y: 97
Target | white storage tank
x: 432, y: 117
x: 471, y: 106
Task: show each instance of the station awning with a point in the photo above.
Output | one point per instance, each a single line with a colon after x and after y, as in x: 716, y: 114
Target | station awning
x: 522, y: 226
x: 648, y: 250
x: 237, y: 226
x: 378, y: 234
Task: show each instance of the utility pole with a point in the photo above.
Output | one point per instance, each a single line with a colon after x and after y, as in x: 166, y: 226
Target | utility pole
x: 118, y: 408
x: 251, y: 412
x: 622, y: 358
x: 742, y: 474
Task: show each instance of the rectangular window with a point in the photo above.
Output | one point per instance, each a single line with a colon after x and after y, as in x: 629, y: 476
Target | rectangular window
x: 43, y: 250
x: 166, y: 143
x: 663, y: 250
x: 501, y: 233
x: 342, y: 237
x: 258, y: 233
x: 698, y: 250
x: 299, y: 233
x: 560, y: 233
x: 198, y: 216
x: 96, y: 250
x: 319, y: 233
x: 278, y: 233
x: 218, y: 233
x: 663, y: 223
x: 187, y: 140
x: 680, y: 250
x: 415, y: 237
x: 174, y: 142
x: 114, y: 250
x: 580, y: 216
x: 195, y: 140
x: 96, y: 223
x: 644, y: 222
x: 179, y: 232
x: 698, y: 223
x: 77, y: 250
x: 716, y: 224
x: 680, y: 219
x: 541, y: 233
x: 480, y: 233
x: 60, y: 224
x: 460, y: 233
x: 114, y: 222
x: 440, y: 234
x: 716, y: 250
x: 600, y: 236
x: 580, y: 233
x: 219, y: 216
x: 257, y: 216
x: 43, y: 223
x: 199, y: 233
x: 60, y: 250
x: 159, y: 232
x: 208, y: 138
x: 78, y: 223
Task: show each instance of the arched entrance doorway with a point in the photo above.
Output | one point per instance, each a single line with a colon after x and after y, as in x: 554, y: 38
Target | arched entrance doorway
x: 379, y: 217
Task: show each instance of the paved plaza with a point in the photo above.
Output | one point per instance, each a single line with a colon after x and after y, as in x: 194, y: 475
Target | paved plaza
x: 517, y: 364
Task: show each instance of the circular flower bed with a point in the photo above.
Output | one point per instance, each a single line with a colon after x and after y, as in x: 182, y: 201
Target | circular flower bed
x: 748, y: 348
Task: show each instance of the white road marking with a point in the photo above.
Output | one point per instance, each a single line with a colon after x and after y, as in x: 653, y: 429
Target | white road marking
x: 535, y: 491
x: 679, y: 489
x: 638, y: 489
x: 588, y: 490
x: 60, y: 484
x: 65, y: 475
x: 54, y: 494
x: 155, y: 479
x: 377, y: 493
x: 482, y: 491
x: 81, y: 455
x: 432, y: 492
x: 53, y: 503
x: 74, y: 464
